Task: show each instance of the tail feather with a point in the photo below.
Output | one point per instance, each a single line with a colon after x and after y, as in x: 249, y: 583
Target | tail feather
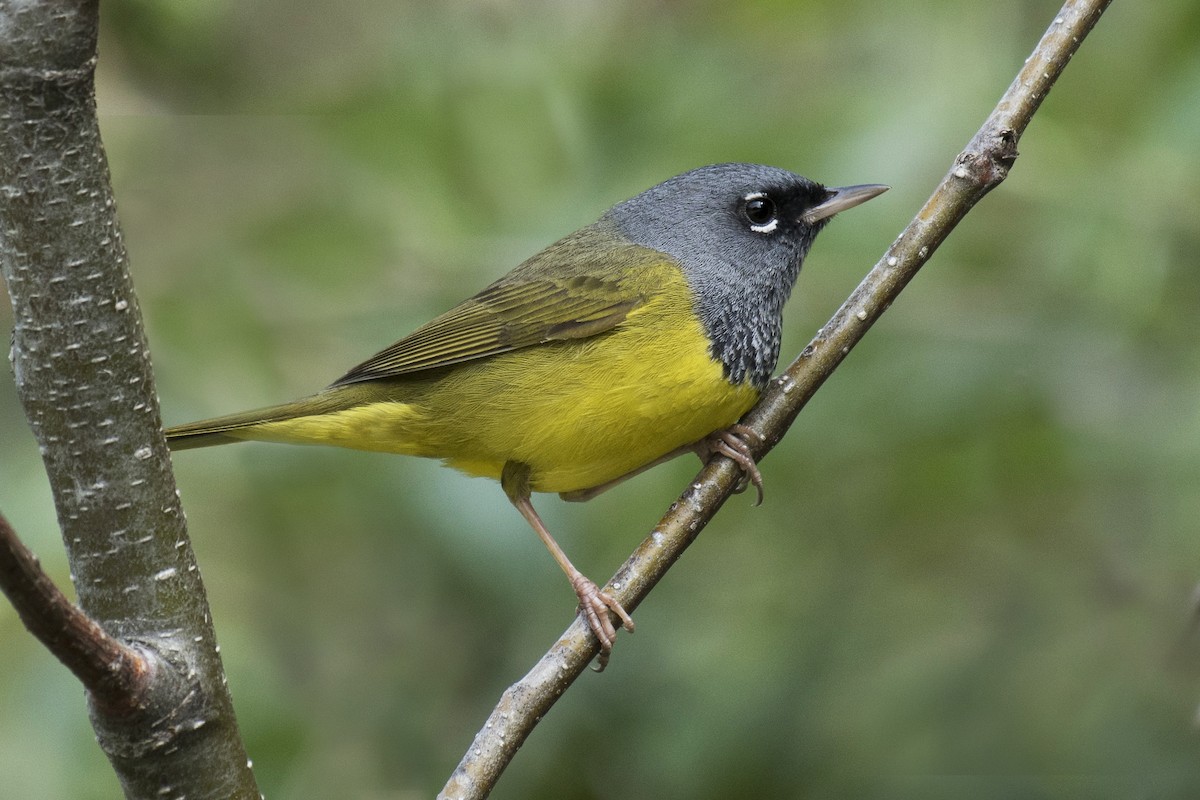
x: 186, y: 440
x: 237, y: 427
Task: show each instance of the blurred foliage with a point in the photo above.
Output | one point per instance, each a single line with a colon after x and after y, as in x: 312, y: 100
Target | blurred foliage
x: 972, y: 574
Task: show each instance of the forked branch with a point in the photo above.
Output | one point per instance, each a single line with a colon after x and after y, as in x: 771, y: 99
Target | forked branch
x: 114, y: 674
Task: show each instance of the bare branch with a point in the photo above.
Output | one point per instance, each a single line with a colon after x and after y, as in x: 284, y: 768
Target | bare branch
x: 976, y: 171
x: 114, y: 674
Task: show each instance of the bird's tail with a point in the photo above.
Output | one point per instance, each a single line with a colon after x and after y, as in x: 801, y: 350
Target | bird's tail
x: 247, y: 425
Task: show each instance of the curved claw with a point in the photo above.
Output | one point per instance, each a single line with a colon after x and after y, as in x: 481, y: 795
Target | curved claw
x: 594, y: 605
x: 733, y: 443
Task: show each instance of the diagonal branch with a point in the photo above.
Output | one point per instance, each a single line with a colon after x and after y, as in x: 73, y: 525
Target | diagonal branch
x: 978, y: 169
x: 114, y: 674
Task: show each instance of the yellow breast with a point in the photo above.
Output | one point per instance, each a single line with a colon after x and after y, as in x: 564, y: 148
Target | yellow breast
x: 580, y: 413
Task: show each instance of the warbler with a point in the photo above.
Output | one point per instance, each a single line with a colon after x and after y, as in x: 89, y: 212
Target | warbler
x: 642, y: 336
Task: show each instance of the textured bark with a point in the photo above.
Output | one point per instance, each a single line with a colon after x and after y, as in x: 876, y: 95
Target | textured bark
x: 82, y: 370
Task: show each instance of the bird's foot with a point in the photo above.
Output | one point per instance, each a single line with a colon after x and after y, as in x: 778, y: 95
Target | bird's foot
x: 595, y: 606
x: 734, y: 443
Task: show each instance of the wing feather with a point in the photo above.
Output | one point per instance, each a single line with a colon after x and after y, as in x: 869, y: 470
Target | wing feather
x: 531, y: 305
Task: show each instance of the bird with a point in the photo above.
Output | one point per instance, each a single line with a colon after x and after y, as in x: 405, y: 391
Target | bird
x: 640, y: 337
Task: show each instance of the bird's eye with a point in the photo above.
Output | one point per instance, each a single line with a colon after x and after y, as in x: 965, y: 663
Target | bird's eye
x: 760, y: 211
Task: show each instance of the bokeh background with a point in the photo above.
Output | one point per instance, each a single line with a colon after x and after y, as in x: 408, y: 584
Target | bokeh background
x: 973, y: 573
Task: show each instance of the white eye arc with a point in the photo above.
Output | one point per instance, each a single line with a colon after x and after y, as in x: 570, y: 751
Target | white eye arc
x: 759, y: 210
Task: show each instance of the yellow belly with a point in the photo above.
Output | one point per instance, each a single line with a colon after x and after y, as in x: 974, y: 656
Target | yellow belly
x: 579, y: 413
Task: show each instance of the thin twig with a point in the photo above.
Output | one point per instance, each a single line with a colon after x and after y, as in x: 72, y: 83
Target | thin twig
x: 976, y: 171
x: 114, y: 674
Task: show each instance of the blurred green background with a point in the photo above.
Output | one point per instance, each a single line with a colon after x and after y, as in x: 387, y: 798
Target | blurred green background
x: 973, y: 571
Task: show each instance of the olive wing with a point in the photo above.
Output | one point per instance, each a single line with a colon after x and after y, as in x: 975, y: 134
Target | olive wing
x: 534, y: 304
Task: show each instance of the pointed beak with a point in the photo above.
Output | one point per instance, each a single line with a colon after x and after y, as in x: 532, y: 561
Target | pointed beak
x: 839, y: 199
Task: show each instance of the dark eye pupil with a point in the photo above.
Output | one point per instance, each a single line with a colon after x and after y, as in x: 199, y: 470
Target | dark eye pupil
x: 760, y: 210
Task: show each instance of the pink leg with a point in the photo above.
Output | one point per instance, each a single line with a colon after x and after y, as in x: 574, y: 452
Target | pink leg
x: 594, y: 604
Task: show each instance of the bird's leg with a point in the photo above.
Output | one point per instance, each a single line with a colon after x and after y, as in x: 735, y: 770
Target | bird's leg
x: 734, y: 443
x: 593, y: 603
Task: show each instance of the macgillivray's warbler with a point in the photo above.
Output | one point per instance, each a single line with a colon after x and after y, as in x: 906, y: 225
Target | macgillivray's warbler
x: 642, y: 336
